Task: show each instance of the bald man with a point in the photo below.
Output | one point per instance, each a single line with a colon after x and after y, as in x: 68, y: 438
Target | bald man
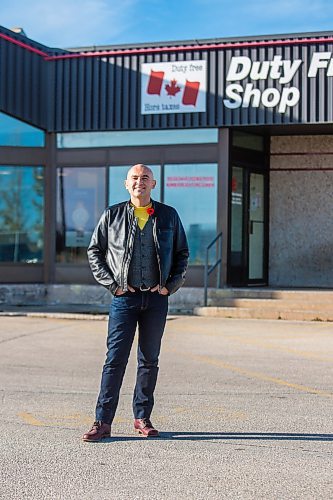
x: 139, y: 252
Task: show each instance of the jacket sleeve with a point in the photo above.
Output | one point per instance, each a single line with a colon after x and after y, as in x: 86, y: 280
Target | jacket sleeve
x: 180, y: 258
x: 97, y: 255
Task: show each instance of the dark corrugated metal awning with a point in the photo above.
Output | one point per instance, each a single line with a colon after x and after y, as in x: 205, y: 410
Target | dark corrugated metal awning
x: 99, y: 88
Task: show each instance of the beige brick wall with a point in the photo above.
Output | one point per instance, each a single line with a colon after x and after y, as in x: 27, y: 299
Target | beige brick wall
x: 301, y: 212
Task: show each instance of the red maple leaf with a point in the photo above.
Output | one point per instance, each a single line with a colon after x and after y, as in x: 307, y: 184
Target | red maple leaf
x: 173, y: 88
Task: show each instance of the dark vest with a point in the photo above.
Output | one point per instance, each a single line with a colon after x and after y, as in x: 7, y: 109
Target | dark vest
x: 143, y: 270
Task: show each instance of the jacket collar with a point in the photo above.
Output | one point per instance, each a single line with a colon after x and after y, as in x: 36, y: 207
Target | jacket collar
x: 130, y: 208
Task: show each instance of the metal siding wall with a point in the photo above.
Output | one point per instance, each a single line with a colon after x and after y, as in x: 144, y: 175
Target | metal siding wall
x: 22, y: 92
x: 295, y: 54
x: 80, y: 98
x: 104, y: 93
x: 303, y: 106
x: 95, y: 95
x: 109, y: 93
x: 262, y: 112
x: 72, y: 94
x: 329, y: 102
x: 194, y: 117
x: 59, y: 95
x: 88, y: 94
x: 312, y: 93
x: 156, y: 119
x: 66, y: 91
x: 225, y: 61
x: 138, y: 117
x: 316, y: 101
x: 220, y: 79
x: 103, y: 85
x: 164, y: 119
x: 117, y: 100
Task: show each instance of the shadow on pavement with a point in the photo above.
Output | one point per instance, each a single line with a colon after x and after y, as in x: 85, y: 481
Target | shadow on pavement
x: 202, y: 436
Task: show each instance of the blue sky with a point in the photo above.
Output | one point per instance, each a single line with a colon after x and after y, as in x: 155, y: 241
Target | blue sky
x: 69, y: 23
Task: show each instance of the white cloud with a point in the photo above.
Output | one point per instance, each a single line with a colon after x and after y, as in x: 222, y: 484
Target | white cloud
x: 65, y: 23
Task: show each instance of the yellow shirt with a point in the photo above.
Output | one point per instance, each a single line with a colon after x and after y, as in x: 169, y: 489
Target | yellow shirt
x: 142, y: 215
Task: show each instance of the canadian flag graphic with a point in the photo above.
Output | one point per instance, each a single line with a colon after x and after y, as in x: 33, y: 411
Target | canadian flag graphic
x: 190, y: 93
x: 178, y: 87
x: 155, y: 82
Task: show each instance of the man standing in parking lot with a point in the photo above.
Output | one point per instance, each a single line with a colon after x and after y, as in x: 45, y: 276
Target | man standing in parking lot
x: 139, y: 252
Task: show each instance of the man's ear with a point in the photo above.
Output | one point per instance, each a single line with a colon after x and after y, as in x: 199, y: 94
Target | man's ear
x: 125, y: 184
x: 154, y: 185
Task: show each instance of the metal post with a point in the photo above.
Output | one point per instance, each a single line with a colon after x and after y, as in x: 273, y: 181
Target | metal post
x: 206, y: 278
x: 220, y: 259
x: 218, y: 243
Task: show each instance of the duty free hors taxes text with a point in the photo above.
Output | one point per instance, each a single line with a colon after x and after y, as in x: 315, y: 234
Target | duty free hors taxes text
x: 278, y: 69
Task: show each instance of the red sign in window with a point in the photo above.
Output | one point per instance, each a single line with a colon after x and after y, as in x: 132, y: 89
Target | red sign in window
x: 190, y: 181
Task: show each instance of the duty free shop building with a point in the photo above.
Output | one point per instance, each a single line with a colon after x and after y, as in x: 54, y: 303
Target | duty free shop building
x: 238, y: 134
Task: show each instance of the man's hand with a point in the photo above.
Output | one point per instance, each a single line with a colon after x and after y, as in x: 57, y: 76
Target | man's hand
x: 120, y: 291
x: 163, y: 291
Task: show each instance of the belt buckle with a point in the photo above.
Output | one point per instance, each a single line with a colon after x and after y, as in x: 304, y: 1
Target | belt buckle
x: 144, y: 289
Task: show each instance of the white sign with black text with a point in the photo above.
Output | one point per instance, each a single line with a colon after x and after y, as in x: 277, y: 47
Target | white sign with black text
x: 173, y: 87
x: 180, y: 87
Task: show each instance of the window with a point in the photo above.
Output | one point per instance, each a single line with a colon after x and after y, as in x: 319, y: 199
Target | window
x: 80, y: 203
x: 237, y: 207
x: 248, y: 141
x: 81, y: 191
x: 117, y: 190
x: 136, y: 138
x: 13, y: 132
x: 21, y: 214
x: 192, y: 190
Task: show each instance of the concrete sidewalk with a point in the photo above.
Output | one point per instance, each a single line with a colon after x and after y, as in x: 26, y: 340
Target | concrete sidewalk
x: 244, y: 408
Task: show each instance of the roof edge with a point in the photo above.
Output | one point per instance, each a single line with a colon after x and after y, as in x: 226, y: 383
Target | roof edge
x: 202, y: 41
x: 24, y: 40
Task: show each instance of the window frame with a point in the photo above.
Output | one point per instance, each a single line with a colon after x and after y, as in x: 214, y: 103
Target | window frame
x: 31, y: 268
x: 120, y: 156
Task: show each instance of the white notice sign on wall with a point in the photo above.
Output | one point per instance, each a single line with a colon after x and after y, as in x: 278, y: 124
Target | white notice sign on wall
x: 173, y: 87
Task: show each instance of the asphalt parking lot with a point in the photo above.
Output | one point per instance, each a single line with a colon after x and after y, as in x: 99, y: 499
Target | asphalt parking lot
x: 244, y: 408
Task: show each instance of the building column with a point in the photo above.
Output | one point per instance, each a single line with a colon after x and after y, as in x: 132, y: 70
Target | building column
x: 50, y: 208
x: 223, y: 198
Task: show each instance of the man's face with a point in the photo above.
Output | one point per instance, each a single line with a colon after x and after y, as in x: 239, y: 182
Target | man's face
x: 140, y: 181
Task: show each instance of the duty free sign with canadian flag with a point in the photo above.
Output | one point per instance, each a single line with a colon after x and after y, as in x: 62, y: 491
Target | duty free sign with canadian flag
x: 180, y: 87
x: 173, y: 87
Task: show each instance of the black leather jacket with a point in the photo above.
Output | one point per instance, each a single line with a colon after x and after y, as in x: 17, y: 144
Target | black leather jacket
x: 111, y: 246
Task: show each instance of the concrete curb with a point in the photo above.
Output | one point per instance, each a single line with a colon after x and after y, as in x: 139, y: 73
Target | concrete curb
x: 263, y: 313
x: 70, y: 316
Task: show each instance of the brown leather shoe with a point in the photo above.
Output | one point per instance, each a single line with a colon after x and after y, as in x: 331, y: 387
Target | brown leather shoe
x: 99, y: 431
x: 145, y: 428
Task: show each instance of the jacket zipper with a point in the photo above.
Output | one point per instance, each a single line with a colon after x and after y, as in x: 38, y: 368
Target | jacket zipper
x: 128, y: 251
x: 157, y: 251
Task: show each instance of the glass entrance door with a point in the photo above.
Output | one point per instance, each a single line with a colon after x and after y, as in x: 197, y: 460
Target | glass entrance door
x: 247, y: 256
x: 256, y: 227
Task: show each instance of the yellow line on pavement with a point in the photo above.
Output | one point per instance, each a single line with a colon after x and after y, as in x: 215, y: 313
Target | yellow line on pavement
x: 261, y: 343
x: 249, y: 373
x: 289, y: 350
x: 30, y: 419
x: 54, y: 420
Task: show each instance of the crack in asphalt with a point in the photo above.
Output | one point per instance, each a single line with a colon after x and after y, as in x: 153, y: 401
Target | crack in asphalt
x: 30, y: 334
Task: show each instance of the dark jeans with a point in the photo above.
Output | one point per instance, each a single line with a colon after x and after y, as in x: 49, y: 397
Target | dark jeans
x: 148, y: 310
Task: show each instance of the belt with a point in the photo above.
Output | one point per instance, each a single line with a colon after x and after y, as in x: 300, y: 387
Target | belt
x: 142, y: 288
